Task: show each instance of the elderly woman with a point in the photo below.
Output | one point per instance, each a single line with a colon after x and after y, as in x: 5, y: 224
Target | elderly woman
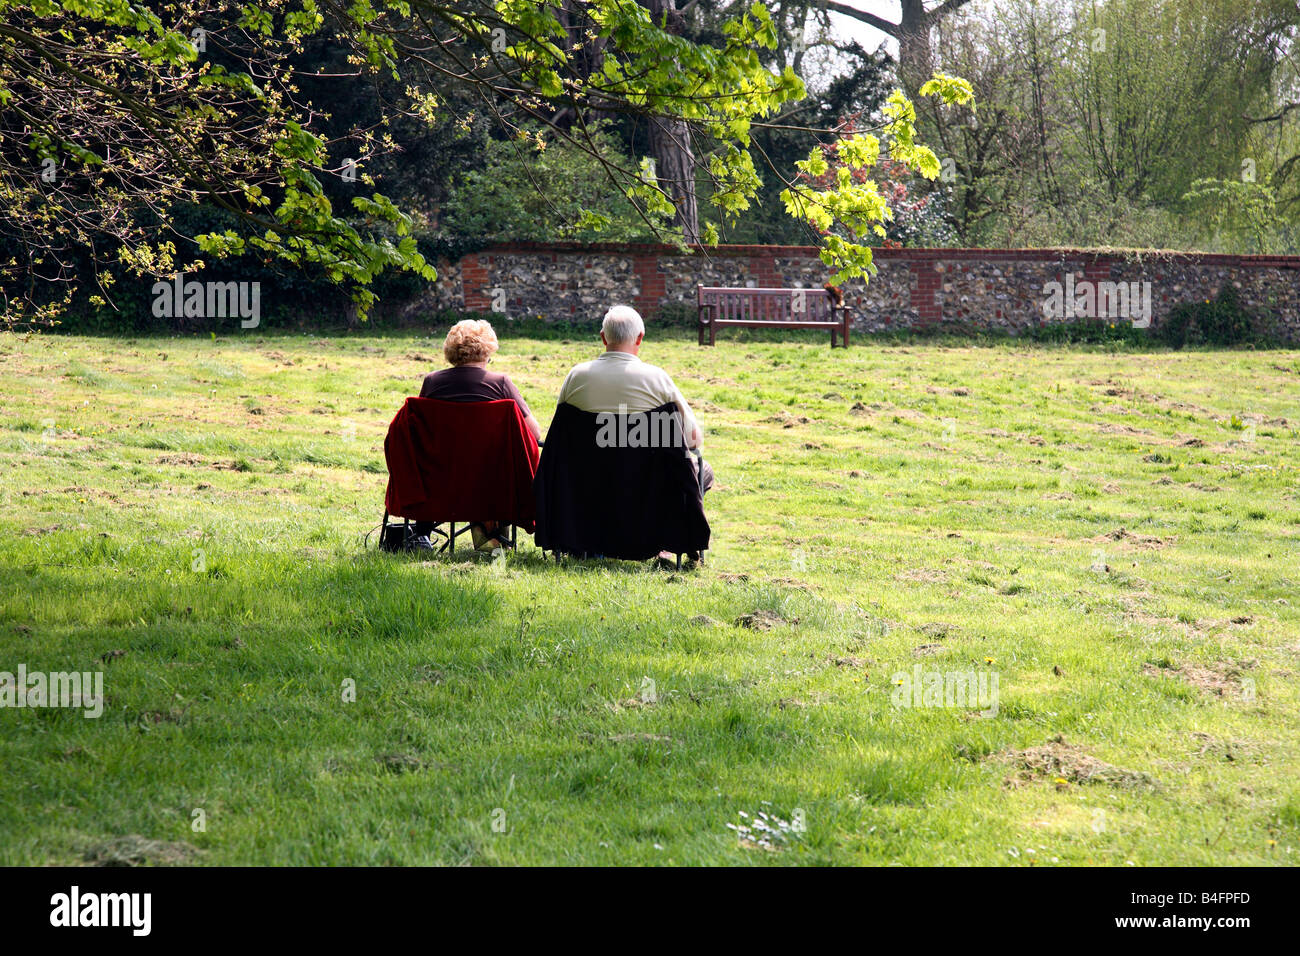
x: 469, y: 347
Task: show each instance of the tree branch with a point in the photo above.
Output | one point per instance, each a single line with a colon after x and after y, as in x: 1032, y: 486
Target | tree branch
x: 861, y: 15
x: 948, y: 6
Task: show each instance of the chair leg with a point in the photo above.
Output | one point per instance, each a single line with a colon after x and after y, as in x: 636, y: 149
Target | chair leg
x: 679, y: 562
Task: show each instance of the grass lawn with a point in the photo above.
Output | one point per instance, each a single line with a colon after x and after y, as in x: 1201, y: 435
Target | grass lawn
x: 1113, y: 536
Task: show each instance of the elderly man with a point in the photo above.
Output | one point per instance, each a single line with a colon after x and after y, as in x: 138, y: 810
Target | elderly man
x: 618, y: 382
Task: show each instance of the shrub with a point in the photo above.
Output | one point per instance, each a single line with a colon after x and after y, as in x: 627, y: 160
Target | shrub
x: 532, y: 188
x: 1223, y: 320
x: 1088, y: 332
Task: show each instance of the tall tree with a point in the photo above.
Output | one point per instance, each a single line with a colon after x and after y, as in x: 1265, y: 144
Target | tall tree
x: 845, y: 84
x: 912, y: 31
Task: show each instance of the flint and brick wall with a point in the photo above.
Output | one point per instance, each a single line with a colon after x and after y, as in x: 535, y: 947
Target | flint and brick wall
x: 960, y: 289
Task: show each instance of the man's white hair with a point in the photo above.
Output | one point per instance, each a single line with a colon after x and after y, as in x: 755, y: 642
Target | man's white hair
x: 622, y: 325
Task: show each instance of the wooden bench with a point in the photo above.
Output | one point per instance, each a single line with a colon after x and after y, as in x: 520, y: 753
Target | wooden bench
x: 770, y: 308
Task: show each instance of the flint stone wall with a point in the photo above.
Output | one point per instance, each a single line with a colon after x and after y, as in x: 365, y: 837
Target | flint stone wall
x: 959, y: 289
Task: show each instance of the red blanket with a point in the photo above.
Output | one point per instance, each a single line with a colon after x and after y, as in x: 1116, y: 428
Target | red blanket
x: 461, y: 461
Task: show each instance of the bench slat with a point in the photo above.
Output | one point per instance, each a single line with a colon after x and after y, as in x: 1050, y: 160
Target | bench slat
x: 784, y: 325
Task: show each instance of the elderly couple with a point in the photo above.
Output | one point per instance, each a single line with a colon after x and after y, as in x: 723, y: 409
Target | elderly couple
x: 615, y: 382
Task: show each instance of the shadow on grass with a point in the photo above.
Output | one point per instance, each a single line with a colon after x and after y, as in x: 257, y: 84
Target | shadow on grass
x: 153, y: 588
x: 528, y: 558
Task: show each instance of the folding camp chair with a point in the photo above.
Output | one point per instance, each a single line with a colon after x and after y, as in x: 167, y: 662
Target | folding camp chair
x: 454, y: 464
x: 660, y: 497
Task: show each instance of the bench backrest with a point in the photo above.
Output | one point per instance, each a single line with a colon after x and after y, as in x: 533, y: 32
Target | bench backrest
x: 767, y: 305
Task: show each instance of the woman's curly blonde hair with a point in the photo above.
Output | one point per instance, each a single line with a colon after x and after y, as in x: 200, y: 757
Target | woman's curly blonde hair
x: 470, y: 341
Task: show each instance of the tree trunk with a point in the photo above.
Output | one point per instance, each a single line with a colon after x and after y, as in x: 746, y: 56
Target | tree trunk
x: 912, y: 31
x: 914, y: 55
x: 670, y: 143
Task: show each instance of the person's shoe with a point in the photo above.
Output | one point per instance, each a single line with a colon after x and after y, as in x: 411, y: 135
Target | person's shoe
x: 483, y: 541
x: 419, y: 542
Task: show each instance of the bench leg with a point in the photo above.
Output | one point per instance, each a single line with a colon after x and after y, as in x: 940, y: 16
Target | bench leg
x: 713, y: 334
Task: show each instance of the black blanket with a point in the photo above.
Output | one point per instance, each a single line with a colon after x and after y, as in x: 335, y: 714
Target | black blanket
x: 615, y: 485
